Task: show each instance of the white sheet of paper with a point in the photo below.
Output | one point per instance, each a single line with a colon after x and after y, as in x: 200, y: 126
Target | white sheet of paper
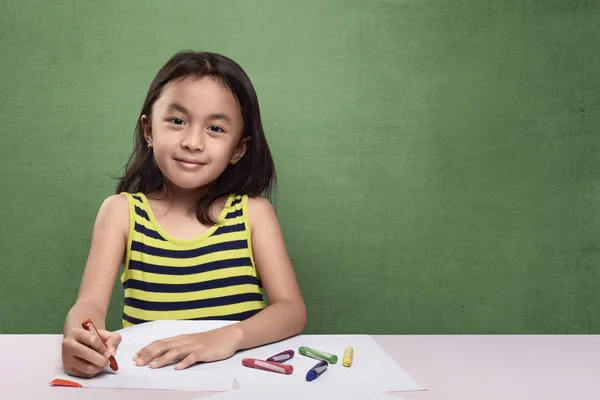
x: 372, y: 369
x: 274, y: 393
x: 129, y: 376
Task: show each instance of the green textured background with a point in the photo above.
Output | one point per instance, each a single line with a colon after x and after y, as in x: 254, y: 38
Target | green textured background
x: 438, y: 160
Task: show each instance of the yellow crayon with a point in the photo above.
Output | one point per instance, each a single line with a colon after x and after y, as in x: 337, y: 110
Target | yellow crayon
x: 348, y: 355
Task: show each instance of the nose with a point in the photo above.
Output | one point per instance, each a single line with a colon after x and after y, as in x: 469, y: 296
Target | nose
x: 193, y: 139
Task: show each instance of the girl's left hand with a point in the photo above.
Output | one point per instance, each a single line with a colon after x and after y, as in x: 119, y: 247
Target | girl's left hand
x: 214, y: 345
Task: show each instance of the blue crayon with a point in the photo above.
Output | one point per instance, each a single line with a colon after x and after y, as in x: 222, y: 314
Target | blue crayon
x: 317, y: 370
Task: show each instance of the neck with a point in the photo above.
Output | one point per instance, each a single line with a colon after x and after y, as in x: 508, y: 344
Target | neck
x: 181, y: 199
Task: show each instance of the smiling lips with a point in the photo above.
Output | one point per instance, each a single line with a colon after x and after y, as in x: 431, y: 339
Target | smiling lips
x: 189, y: 164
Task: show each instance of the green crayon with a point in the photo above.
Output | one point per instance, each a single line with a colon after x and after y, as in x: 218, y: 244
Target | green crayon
x: 318, y: 355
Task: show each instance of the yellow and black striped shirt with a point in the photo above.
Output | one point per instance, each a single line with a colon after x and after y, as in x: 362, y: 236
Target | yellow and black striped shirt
x: 209, y: 277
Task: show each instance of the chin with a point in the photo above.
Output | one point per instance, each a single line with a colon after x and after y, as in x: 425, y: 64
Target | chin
x: 186, y: 184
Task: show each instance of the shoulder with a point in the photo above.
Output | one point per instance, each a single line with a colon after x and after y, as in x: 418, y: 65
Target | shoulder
x: 114, y: 211
x: 117, y: 203
x: 260, y: 211
x: 258, y: 205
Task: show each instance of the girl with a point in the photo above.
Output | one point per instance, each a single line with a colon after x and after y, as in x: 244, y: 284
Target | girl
x: 196, y: 239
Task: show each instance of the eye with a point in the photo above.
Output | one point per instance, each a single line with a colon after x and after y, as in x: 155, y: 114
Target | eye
x: 216, y: 129
x: 177, y: 121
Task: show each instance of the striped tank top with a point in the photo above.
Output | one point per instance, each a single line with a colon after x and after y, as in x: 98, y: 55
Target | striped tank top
x: 212, y: 276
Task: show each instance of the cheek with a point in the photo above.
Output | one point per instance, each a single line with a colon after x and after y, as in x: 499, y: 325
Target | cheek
x: 162, y: 149
x: 158, y: 151
x: 164, y: 142
x: 223, y: 150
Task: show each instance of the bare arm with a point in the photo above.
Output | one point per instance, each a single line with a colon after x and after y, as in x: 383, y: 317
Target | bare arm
x: 83, y: 354
x: 109, y: 239
x: 286, y: 314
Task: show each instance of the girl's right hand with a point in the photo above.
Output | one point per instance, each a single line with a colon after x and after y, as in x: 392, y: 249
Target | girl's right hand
x: 84, y: 355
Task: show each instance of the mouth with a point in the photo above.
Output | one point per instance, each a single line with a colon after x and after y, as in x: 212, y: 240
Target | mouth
x: 187, y: 163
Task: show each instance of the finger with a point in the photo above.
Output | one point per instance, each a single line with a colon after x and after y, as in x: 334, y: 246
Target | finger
x: 152, y: 351
x: 191, y: 359
x: 158, y: 348
x: 112, y: 342
x: 163, y: 343
x: 168, y: 358
x: 80, y: 350
x: 78, y: 373
x: 75, y: 372
x: 87, y: 369
x: 92, y: 341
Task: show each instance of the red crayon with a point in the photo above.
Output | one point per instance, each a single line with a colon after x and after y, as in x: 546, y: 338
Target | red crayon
x: 88, y: 325
x: 268, y: 366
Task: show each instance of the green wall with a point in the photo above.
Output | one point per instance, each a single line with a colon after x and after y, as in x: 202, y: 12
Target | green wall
x: 438, y: 161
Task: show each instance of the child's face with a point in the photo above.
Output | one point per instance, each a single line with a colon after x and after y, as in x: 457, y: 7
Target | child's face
x: 195, y: 132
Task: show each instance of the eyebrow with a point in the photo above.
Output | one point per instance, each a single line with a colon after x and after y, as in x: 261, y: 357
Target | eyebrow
x: 180, y: 108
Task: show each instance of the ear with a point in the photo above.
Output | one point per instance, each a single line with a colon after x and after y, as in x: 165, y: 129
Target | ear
x: 240, y: 150
x: 147, y: 128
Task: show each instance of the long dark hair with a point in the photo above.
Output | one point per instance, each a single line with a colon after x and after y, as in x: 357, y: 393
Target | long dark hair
x: 253, y: 175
